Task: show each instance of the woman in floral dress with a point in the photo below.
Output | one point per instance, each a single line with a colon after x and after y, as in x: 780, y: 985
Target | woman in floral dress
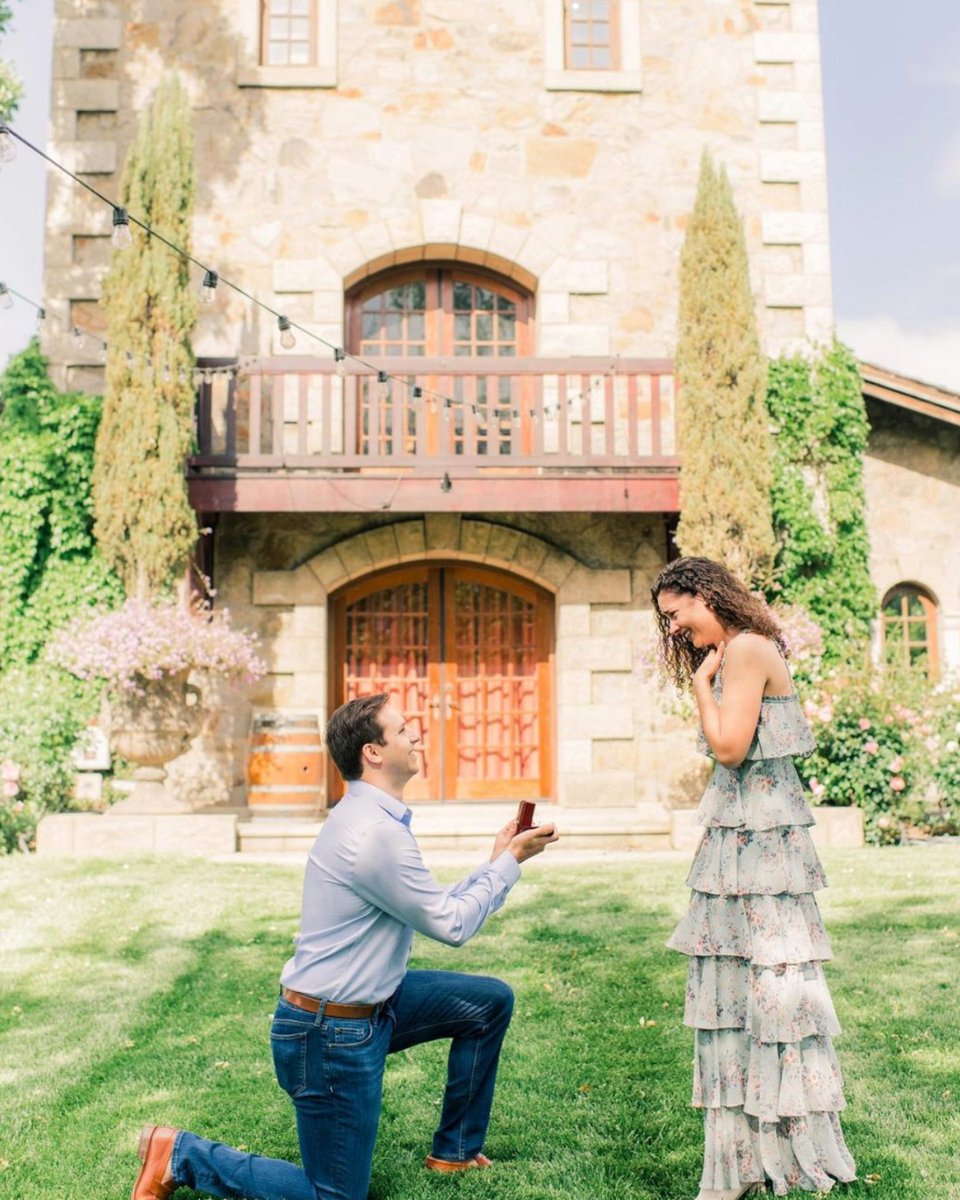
x: 765, y: 1071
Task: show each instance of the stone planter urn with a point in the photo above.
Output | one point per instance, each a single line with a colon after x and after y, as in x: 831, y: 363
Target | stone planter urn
x: 151, y: 729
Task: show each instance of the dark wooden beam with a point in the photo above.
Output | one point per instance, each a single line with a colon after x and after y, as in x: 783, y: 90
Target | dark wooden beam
x: 659, y: 493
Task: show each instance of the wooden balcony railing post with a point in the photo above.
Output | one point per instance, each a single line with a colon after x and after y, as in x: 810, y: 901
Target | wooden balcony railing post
x: 479, y: 416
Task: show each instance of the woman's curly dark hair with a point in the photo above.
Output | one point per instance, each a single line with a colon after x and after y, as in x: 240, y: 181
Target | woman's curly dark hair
x: 724, y: 594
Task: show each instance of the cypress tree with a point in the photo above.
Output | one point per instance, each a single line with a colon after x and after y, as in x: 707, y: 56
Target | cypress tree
x: 722, y: 425
x: 144, y: 524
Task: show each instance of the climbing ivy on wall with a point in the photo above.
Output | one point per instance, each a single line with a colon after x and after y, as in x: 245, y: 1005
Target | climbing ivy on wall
x: 49, y: 564
x: 818, y: 500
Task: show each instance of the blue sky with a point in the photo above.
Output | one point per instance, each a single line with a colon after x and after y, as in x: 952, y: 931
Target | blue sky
x: 892, y: 100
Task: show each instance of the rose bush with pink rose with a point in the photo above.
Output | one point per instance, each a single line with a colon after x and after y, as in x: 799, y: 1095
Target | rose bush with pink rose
x: 855, y: 748
x: 883, y: 743
x: 41, y: 713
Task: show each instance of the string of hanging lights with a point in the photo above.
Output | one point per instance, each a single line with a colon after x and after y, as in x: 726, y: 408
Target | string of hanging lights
x: 122, y: 238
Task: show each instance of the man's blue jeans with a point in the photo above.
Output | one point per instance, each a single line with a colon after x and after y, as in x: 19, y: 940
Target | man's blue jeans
x: 332, y: 1067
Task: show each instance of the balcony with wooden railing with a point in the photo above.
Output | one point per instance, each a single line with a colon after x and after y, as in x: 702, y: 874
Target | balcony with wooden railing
x: 451, y: 434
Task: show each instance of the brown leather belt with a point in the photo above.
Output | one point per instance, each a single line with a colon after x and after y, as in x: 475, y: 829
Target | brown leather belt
x: 312, y: 1004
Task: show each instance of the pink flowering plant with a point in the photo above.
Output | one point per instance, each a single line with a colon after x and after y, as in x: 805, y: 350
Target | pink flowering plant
x: 871, y: 732
x: 804, y: 639
x: 145, y: 640
x: 41, y: 713
x: 943, y: 744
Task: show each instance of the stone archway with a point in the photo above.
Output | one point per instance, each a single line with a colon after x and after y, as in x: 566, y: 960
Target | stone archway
x: 596, y: 692
x: 301, y: 651
x: 443, y: 229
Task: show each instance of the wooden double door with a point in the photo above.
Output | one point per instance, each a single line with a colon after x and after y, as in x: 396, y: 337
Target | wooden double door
x: 466, y: 654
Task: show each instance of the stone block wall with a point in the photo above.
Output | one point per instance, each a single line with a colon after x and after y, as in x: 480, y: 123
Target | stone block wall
x: 442, y: 131
x: 912, y: 481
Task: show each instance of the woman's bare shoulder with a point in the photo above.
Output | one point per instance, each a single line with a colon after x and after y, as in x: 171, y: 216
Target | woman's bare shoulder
x: 751, y: 647
x: 754, y: 652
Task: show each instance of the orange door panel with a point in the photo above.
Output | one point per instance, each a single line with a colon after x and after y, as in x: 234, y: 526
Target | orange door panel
x: 466, y: 653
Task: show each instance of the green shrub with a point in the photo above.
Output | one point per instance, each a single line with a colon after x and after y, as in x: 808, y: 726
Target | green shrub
x: 42, y: 711
x: 943, y: 816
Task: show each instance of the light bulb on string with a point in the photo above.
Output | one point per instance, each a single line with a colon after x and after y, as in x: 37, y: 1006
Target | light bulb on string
x: 383, y: 385
x: 287, y: 340
x: 41, y: 317
x: 417, y: 397
x: 446, y: 410
x: 8, y: 147
x: 120, y: 237
x: 6, y: 300
x: 340, y: 361
x: 78, y: 337
x: 208, y: 290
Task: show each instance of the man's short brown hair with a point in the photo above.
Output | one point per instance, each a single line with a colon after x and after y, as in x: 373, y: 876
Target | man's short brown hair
x: 351, y: 727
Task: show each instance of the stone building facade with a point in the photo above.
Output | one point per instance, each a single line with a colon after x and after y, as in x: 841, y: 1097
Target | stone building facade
x: 912, y: 479
x: 439, y: 131
x: 390, y: 141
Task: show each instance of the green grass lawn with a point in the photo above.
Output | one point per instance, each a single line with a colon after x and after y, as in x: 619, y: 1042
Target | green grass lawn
x: 143, y: 992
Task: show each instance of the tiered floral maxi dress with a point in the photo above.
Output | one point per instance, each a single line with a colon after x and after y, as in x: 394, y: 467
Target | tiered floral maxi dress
x: 765, y: 1070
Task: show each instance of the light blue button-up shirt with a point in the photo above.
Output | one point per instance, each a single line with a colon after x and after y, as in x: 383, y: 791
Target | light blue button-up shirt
x: 365, y: 891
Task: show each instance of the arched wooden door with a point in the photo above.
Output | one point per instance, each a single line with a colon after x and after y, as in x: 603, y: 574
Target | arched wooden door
x: 466, y: 653
x: 437, y: 311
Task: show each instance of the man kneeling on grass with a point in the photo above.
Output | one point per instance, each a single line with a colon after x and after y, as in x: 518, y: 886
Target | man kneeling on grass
x: 347, y: 999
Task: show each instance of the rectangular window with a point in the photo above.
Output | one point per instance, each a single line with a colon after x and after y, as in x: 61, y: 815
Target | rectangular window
x: 591, y: 35
x: 287, y: 43
x: 288, y: 33
x: 592, y: 45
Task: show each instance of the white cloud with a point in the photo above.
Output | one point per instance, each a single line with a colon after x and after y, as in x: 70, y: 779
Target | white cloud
x: 931, y: 355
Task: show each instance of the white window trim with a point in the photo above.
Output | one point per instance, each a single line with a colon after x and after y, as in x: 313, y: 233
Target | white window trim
x: 557, y: 78
x: 322, y: 73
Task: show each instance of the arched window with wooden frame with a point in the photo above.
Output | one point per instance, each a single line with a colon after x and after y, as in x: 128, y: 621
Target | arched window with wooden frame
x: 909, y: 627
x: 439, y: 310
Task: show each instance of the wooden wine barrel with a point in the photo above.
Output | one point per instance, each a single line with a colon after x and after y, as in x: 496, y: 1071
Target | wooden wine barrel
x: 285, y: 767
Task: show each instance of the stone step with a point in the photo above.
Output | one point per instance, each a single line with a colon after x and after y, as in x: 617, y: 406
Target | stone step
x: 473, y: 827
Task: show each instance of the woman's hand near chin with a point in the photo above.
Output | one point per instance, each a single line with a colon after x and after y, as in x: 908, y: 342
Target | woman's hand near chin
x: 706, y: 672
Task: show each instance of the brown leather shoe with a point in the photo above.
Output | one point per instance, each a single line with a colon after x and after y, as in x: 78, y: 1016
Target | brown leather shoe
x: 444, y: 1164
x: 155, y: 1181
